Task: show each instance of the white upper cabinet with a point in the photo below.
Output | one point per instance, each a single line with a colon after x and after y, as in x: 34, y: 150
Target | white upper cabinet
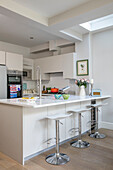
x: 38, y: 62
x: 28, y: 64
x: 14, y: 61
x: 2, y: 57
x: 65, y: 63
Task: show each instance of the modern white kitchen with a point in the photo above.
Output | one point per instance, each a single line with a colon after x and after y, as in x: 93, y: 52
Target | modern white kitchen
x: 56, y: 84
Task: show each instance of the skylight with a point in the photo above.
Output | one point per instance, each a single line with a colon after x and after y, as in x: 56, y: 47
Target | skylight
x: 99, y: 23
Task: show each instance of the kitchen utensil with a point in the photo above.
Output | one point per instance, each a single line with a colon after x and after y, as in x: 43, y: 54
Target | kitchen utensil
x: 64, y: 89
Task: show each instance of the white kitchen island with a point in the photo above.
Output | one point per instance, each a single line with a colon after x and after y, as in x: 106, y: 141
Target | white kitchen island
x: 24, y: 129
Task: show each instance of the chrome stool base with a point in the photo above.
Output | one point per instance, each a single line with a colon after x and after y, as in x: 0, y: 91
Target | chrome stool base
x: 80, y: 144
x: 59, y: 159
x: 97, y: 135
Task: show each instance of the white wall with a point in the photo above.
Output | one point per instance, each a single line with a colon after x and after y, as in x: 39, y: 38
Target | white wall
x: 82, y: 48
x: 83, y: 52
x: 103, y: 68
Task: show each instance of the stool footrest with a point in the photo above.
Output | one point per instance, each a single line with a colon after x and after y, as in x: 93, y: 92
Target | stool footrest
x: 48, y: 141
x: 73, y: 130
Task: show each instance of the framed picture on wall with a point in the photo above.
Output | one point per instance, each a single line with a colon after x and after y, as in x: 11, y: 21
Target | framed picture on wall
x: 82, y: 68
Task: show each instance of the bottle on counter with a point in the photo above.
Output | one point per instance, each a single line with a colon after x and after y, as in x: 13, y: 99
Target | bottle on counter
x: 43, y: 87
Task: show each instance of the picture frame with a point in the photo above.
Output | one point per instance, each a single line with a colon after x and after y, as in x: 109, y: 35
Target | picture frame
x: 82, y: 67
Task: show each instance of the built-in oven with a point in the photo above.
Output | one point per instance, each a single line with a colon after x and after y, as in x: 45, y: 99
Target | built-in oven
x: 14, y: 86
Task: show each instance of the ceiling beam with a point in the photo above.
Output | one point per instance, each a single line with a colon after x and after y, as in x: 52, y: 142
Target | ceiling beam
x: 77, y: 11
x: 73, y: 34
x: 39, y: 48
x: 46, y: 46
x: 23, y: 11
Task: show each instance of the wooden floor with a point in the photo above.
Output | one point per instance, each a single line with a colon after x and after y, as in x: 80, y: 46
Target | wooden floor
x: 99, y: 156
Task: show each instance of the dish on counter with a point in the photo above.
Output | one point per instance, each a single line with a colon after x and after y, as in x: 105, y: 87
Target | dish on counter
x: 27, y: 99
x: 54, y: 90
x: 66, y: 96
x: 57, y: 96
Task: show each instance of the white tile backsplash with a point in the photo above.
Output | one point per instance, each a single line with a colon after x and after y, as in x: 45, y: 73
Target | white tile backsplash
x: 56, y: 80
x: 30, y: 84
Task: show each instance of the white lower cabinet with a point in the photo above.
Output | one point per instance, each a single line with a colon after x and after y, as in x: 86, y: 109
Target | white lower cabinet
x: 35, y: 130
x: 38, y: 130
x: 86, y: 117
x: 2, y: 57
x: 72, y: 122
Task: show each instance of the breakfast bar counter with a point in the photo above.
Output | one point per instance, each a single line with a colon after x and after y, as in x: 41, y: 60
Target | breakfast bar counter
x: 49, y: 101
x: 24, y: 127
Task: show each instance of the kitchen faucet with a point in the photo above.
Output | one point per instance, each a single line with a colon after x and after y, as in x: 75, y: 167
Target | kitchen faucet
x: 40, y: 84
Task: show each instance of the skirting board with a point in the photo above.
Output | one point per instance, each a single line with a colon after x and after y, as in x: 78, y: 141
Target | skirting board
x: 38, y: 153
x: 106, y: 125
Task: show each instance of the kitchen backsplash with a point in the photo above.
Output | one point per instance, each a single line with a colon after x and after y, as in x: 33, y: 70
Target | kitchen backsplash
x: 56, y: 80
x: 30, y: 84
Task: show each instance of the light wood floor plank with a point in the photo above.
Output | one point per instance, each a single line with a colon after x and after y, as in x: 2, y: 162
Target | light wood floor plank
x: 99, y: 156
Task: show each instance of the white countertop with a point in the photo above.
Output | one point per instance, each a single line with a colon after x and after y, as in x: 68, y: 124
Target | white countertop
x: 49, y: 101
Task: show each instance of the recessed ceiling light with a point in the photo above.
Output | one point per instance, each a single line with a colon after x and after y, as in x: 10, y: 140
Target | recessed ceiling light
x: 31, y: 38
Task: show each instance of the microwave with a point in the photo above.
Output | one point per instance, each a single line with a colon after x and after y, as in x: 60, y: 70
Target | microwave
x: 27, y: 74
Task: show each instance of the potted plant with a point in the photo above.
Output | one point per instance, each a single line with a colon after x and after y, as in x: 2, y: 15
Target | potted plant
x: 82, y: 83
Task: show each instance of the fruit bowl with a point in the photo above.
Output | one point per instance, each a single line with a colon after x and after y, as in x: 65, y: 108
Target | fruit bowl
x: 66, y: 96
x: 57, y: 96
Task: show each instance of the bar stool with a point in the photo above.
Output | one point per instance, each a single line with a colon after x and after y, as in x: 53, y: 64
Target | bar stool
x: 57, y: 158
x: 79, y: 143
x: 96, y: 134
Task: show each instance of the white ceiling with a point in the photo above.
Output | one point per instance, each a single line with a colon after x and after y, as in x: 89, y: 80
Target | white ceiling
x: 15, y: 32
x: 50, y: 8
x: 22, y: 19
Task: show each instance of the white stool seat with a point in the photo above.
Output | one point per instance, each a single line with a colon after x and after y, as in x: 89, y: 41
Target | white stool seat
x: 58, y: 116
x: 79, y: 110
x: 97, y: 105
